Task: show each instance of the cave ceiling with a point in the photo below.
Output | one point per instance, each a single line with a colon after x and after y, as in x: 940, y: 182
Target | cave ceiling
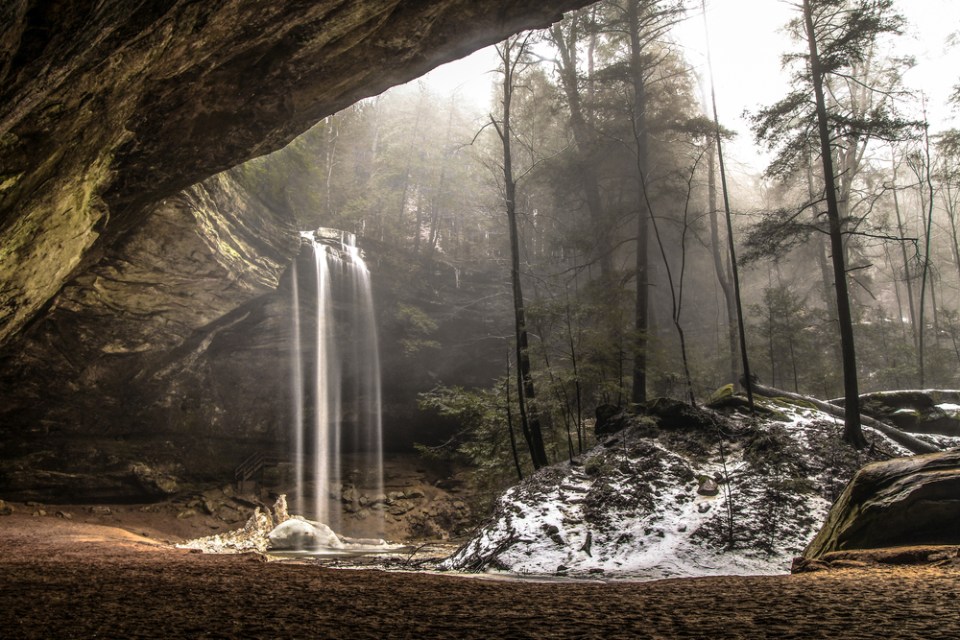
x: 108, y: 108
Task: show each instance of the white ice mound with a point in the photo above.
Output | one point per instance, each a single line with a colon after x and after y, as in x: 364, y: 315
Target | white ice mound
x: 297, y: 533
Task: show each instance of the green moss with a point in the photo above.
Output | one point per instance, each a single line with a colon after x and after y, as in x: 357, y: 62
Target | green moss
x: 720, y: 394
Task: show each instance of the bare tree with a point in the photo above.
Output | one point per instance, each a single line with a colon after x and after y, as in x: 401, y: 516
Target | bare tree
x: 512, y: 60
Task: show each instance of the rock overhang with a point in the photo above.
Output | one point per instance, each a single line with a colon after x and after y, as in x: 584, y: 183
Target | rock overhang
x: 109, y: 107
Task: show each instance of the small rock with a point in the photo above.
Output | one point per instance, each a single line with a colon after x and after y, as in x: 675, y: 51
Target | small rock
x: 100, y: 510
x: 708, y: 487
x: 415, y: 494
x: 399, y: 509
x: 553, y: 532
x: 562, y: 569
x: 682, y: 528
x: 703, y: 508
x: 66, y: 515
x: 588, y: 544
x: 39, y: 513
x: 6, y: 509
x: 186, y: 513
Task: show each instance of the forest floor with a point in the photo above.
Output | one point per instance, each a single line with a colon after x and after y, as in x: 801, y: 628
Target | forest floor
x: 65, y: 578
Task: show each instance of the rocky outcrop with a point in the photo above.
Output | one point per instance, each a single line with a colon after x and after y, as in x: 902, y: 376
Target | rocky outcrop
x: 899, y: 502
x: 128, y: 363
x: 930, y: 411
x: 108, y: 107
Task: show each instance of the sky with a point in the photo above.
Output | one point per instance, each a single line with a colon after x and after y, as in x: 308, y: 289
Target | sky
x: 747, y: 40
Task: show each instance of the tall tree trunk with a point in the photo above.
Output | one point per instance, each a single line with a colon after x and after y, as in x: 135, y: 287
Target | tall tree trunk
x: 584, y: 138
x: 332, y: 136
x: 436, y: 208
x: 926, y: 203
x: 731, y: 246
x: 896, y: 291
x: 720, y: 266
x: 641, y: 320
x: 853, y: 432
x: 906, y: 260
x: 513, y: 437
x: 511, y: 52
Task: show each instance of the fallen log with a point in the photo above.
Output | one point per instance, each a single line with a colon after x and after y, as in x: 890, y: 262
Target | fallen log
x: 915, y: 445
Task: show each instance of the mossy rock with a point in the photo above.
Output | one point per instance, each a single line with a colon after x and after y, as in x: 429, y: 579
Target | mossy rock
x: 721, y: 394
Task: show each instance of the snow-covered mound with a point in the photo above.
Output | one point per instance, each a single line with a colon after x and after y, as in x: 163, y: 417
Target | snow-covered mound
x: 715, y: 495
x: 297, y: 533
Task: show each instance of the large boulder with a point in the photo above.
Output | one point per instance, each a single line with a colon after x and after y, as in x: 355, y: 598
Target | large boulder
x: 899, y: 502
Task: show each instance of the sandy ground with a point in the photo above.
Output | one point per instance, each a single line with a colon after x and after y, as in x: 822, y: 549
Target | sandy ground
x: 70, y: 579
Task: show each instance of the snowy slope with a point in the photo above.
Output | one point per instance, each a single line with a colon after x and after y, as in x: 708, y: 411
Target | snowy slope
x: 630, y: 507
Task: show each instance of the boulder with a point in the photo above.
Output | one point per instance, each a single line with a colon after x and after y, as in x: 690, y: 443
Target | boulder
x: 302, y: 534
x: 673, y: 414
x: 610, y: 419
x: 899, y: 502
x: 916, y: 411
x: 708, y: 487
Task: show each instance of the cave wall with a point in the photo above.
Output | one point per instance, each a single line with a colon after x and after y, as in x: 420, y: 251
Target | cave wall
x: 139, y: 294
x: 121, y: 368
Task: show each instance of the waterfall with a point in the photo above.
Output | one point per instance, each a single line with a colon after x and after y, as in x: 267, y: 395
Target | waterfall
x: 336, y: 413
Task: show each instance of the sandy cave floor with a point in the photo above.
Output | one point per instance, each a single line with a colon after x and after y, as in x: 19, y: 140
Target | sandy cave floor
x: 70, y: 579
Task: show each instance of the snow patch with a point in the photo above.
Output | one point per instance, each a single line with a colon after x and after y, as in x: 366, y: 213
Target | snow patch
x: 630, y: 508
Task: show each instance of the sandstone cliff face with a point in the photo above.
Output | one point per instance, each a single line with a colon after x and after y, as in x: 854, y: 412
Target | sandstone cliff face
x: 122, y: 367
x: 108, y: 107
x: 137, y: 311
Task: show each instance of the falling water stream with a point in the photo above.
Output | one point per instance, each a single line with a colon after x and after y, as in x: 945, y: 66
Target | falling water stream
x: 335, y: 373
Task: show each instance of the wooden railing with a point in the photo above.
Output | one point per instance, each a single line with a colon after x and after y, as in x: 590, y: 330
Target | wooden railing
x: 252, y: 467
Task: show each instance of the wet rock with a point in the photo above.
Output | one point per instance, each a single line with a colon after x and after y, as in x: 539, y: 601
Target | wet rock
x: 351, y: 494
x: 899, y: 502
x: 399, y: 508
